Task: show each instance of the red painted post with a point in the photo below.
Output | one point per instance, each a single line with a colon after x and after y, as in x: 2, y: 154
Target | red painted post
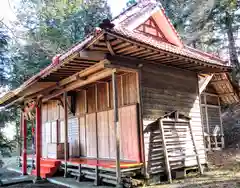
x: 38, y: 140
x: 24, y: 153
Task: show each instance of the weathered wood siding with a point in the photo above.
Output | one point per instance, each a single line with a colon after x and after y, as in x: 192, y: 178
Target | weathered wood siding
x: 93, y: 123
x: 166, y: 89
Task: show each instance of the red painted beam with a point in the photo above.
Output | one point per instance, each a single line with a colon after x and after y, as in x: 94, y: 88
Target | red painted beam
x: 38, y: 140
x: 24, y: 153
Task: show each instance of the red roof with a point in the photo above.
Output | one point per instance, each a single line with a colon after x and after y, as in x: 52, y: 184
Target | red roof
x: 186, y: 51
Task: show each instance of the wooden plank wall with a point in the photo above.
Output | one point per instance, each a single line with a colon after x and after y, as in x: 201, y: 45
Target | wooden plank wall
x: 94, y: 112
x: 166, y: 89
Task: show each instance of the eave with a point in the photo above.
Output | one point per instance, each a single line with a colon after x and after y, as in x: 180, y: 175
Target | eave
x: 120, y: 43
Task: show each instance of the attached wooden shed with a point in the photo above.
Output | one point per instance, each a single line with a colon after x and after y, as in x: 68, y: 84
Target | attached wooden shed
x: 97, y: 100
x: 216, y: 91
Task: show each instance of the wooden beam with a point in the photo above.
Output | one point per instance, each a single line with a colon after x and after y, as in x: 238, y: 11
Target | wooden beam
x: 224, y: 81
x: 148, y: 53
x: 140, y: 52
x: 77, y: 64
x: 92, y: 55
x: 167, y: 164
x: 65, y: 104
x: 128, y: 48
x: 122, y: 45
x: 157, y: 56
x: 109, y: 46
x: 84, y: 73
x: 79, y: 83
x: 116, y: 42
x: 195, y: 149
x: 120, y: 68
x: 137, y: 49
x: 116, y: 127
x: 226, y: 94
x: 205, y: 83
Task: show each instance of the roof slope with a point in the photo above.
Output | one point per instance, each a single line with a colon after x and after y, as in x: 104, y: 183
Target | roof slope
x: 222, y: 85
x: 125, y: 29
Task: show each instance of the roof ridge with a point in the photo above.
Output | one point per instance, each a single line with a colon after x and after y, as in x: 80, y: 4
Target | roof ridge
x: 139, y: 4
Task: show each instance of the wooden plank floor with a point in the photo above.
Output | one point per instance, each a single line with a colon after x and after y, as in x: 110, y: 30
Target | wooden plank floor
x: 103, y: 163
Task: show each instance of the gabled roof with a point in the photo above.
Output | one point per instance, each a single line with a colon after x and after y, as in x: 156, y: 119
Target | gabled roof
x: 124, y: 39
x: 139, y: 13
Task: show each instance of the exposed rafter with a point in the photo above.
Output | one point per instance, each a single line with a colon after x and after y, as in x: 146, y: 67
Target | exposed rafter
x: 109, y: 46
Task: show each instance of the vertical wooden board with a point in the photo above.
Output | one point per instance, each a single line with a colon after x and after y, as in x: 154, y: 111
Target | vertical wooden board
x: 54, y: 109
x: 70, y: 138
x: 102, y: 96
x: 91, y: 135
x: 129, y: 88
x: 110, y: 94
x: 129, y: 133
x: 44, y: 113
x: 48, y: 135
x: 82, y: 136
x: 91, y: 99
x: 123, y: 133
x: 44, y: 144
x: 135, y: 155
x: 74, y: 137
x: 103, y: 134
x: 49, y: 107
x: 112, y: 140
x: 119, y: 91
x: 80, y: 103
x: 54, y: 132
x: 133, y: 88
x: 62, y: 132
x: 61, y: 110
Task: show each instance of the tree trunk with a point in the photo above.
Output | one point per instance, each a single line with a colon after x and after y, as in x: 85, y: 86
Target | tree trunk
x: 231, y: 42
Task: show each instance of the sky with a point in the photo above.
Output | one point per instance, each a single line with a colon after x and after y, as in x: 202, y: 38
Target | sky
x: 7, y: 6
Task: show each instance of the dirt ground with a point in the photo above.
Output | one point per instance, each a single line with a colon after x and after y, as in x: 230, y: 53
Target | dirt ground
x: 223, y: 172
x: 31, y: 185
x: 4, y: 173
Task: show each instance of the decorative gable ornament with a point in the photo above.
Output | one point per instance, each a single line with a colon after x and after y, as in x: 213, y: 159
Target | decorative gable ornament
x: 149, y: 17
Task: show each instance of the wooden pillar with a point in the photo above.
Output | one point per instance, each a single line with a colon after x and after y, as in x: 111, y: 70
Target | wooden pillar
x: 24, y: 151
x: 38, y: 139
x: 97, y: 152
x: 221, y: 124
x: 20, y: 139
x: 65, y: 105
x: 141, y: 134
x: 207, y: 123
x: 117, y: 128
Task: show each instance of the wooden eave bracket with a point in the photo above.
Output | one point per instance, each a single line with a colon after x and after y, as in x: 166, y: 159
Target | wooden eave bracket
x: 109, y: 46
x: 205, y: 83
